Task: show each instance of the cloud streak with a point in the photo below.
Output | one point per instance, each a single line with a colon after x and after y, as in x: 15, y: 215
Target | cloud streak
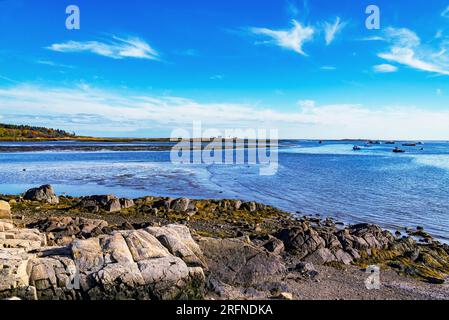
x: 332, y: 29
x: 445, y: 13
x: 292, y: 39
x: 385, y: 68
x: 406, y: 49
x: 117, y: 48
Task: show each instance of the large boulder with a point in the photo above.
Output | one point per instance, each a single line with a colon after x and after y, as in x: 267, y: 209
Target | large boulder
x: 164, y: 275
x: 112, y: 206
x: 178, y: 240
x: 238, y: 262
x: 116, y: 250
x: 53, y: 277
x: 182, y: 205
x: 123, y: 265
x: 13, y: 269
x: 301, y: 240
x: 118, y: 281
x: 5, y: 210
x: 143, y: 245
x: 44, y: 193
x: 321, y: 256
x: 88, y: 255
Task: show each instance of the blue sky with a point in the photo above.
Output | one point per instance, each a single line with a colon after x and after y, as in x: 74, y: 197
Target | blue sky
x: 308, y: 68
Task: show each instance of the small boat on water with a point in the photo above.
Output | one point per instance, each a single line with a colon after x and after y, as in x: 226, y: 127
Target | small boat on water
x: 409, y: 144
x: 398, y: 150
x: 390, y: 142
x: 356, y: 148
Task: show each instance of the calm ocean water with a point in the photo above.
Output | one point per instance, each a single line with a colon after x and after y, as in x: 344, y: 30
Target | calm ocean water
x: 372, y: 185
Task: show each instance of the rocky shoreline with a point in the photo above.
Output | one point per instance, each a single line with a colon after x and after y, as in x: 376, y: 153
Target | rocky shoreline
x: 104, y: 247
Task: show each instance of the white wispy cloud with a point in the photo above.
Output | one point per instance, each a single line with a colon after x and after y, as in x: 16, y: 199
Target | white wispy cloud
x: 83, y: 108
x: 8, y: 79
x: 291, y: 39
x: 445, y: 13
x: 54, y: 64
x: 373, y: 38
x: 292, y: 9
x: 402, y: 37
x: 408, y: 57
x: 117, y: 48
x: 406, y: 49
x: 384, y: 68
x: 216, y: 77
x: 332, y: 29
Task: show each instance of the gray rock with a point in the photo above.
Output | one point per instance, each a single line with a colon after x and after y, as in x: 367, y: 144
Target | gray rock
x: 178, y: 240
x: 44, y: 193
x: 237, y: 262
x: 321, y: 256
x: 143, y: 245
x: 182, y: 205
x: 307, y: 269
x: 301, y: 241
x: 118, y: 281
x: 274, y: 245
x: 60, y: 230
x: 343, y: 257
x: 163, y: 204
x: 88, y: 255
x: 108, y: 203
x: 113, y: 205
x: 167, y: 277
x: 354, y: 253
x: 127, y: 203
x: 115, y: 249
x: 124, y: 265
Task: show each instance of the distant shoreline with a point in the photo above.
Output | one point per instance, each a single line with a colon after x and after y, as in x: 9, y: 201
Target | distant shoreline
x: 106, y: 139
x: 88, y: 144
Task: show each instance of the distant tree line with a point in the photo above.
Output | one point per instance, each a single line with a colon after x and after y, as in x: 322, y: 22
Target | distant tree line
x: 30, y: 132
